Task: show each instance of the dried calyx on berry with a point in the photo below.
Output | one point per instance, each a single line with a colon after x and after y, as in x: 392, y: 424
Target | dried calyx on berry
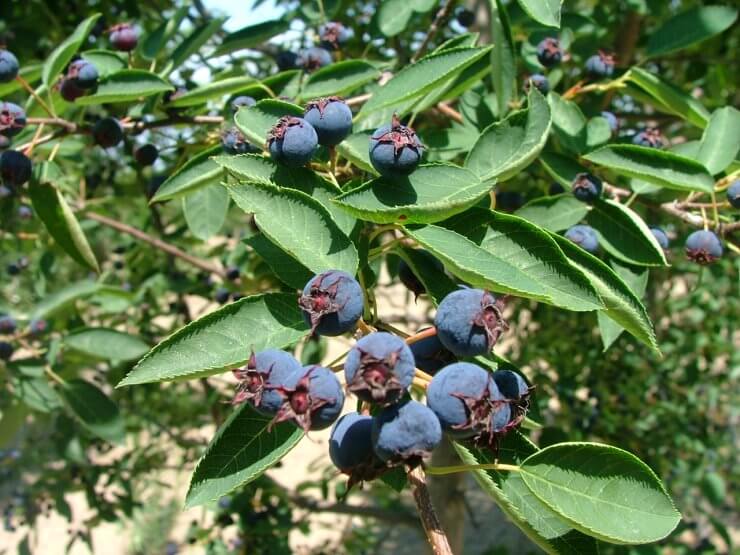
x: 292, y: 141
x: 395, y: 150
x: 261, y: 378
x: 313, y: 398
x: 12, y: 119
x: 333, y: 34
x: 331, y: 118
x: 332, y: 303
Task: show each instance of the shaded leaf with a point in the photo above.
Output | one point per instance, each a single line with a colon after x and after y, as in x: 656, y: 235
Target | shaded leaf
x: 339, y: 78
x: 252, y: 35
x: 636, y: 279
x: 93, y: 409
x: 255, y: 121
x: 286, y: 268
x: 197, y: 172
x: 502, y: 57
x: 127, y: 85
x: 546, y: 12
x: 62, y: 54
x: 106, y: 343
x: 192, y: 43
x: 214, y: 89
x: 721, y: 140
x: 205, y: 210
x: 690, y: 27
x: 554, y: 213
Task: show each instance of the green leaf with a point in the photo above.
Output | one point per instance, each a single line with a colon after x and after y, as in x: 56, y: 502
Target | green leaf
x: 241, y: 451
x: 105, y: 61
x: 554, y: 213
x: 215, y: 89
x: 192, y: 43
x: 356, y: 149
x: 502, y: 57
x: 569, y: 123
x: 35, y: 393
x: 393, y: 16
x: 562, y: 169
x: 94, y: 410
x: 106, y: 344
x: 59, y: 300
x: 624, y: 234
x: 669, y: 98
x: 636, y: 279
x: 339, y: 79
x: 286, y: 268
x: 57, y: 216
x: 546, y: 12
x: 205, y: 210
x: 312, y: 238
x: 127, y: 85
x: 63, y: 53
x: 438, y: 285
x: 30, y: 72
x: 223, y: 339
x: 654, y: 166
x: 506, y: 147
x: 252, y: 35
x: 157, y: 39
x: 255, y: 121
x: 690, y: 27
x: 602, y: 491
x: 421, y: 77
x: 432, y: 193
x: 720, y: 142
x: 196, y: 173
x: 598, y: 132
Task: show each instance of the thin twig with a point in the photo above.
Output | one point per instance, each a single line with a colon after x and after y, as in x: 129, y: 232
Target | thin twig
x: 429, y: 520
x: 442, y: 15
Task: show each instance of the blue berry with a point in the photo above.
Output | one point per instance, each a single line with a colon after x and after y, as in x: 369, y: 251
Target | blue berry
x: 25, y: 212
x: 649, y: 137
x: 539, y: 81
x: 409, y: 279
x: 6, y: 350
x: 15, y: 168
x: 350, y: 443
x: 232, y: 273
x: 379, y: 368
x: 233, y: 141
x: 313, y: 398
x: 586, y: 187
x: 430, y: 355
x: 13, y: 269
x: 8, y: 66
x: 5, y: 192
x: 69, y: 90
x: 146, y: 155
x: 332, y: 303
x: 333, y: 34
x: 703, y: 247
x: 584, y: 236
x: 661, y: 237
x: 549, y: 53
x: 465, y: 17
x: 222, y: 295
x: 469, y: 322
x: 555, y: 189
x: 107, y: 132
x: 123, y: 37
x: 286, y: 60
x: 313, y: 58
x: 292, y: 141
x: 7, y: 325
x: 612, y: 120
x: 38, y: 326
x: 600, y: 65
x: 509, y: 201
x: 405, y: 433
x: 733, y: 194
x: 242, y: 101
x: 261, y: 378
x: 331, y: 118
x: 511, y: 385
x: 83, y: 73
x: 12, y: 119
x: 395, y: 150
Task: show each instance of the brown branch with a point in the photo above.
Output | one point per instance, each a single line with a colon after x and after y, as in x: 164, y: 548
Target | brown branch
x: 430, y: 522
x: 442, y: 15
x: 60, y: 122
x: 450, y: 112
x: 157, y: 243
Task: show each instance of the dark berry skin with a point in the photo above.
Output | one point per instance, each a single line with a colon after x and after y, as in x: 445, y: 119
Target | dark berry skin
x: 261, y: 379
x: 584, y: 236
x: 154, y: 184
x: 6, y: 350
x: 661, y: 237
x: 232, y: 273
x: 333, y: 34
x: 379, y: 368
x: 600, y: 65
x: 539, y: 81
x: 293, y: 141
x: 586, y: 187
x: 7, y: 325
x: 233, y: 141
x: 124, y: 37
x: 15, y: 168
x: 703, y: 247
x: 83, y: 73
x: 13, y: 269
x: 332, y: 303
x: 286, y: 60
x: 350, y: 443
x: 12, y: 119
x: 469, y: 322
x: 395, y: 150
x: 331, y: 118
x: 313, y: 58
x: 405, y: 433
x: 8, y: 66
x: 650, y: 137
x: 612, y: 120
x: 146, y: 155
x: 107, y: 132
x: 222, y: 295
x: 555, y: 189
x: 4, y: 142
x: 313, y: 398
x: 70, y: 91
x: 25, y: 212
x: 549, y: 53
x: 733, y: 194
x: 5, y: 192
x: 241, y: 101
x: 38, y: 327
x: 430, y: 355
x: 409, y: 279
x: 465, y: 17
x: 511, y: 385
x: 509, y: 201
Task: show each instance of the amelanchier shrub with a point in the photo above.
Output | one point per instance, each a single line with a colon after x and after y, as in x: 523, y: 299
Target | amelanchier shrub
x: 347, y: 154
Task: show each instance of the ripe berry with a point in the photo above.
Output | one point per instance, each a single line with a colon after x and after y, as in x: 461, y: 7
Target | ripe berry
x: 240, y: 101
x: 586, y: 187
x: 549, y: 53
x: 286, y: 60
x: 313, y: 398
x: 233, y: 141
x: 4, y: 142
x: 292, y: 141
x: 107, y: 132
x: 25, y: 212
x: 649, y: 137
x: 405, y: 433
x: 38, y: 326
x: 509, y: 201
x: 600, y: 65
x: 313, y: 58
x: 350, y: 445
x: 703, y: 247
x: 6, y: 350
x: 332, y: 303
x: 263, y: 376
x: 511, y: 385
x: 8, y: 66
x: 13, y: 269
x: 171, y: 96
x: 146, y: 155
x: 83, y: 73
x: 465, y: 17
x: 331, y: 118
x: 469, y: 322
x: 584, y: 236
x: 409, y: 279
x: 12, y: 119
x: 661, y: 237
x: 333, y: 34
x: 395, y: 150
x: 430, y: 355
x: 124, y: 37
x: 222, y: 295
x: 465, y: 399
x: 7, y: 325
x: 612, y: 120
x: 232, y: 273
x: 154, y: 184
x: 5, y: 192
x: 733, y: 194
x: 70, y: 90
x: 379, y: 368
x: 15, y: 168
x: 539, y: 81
x: 555, y: 189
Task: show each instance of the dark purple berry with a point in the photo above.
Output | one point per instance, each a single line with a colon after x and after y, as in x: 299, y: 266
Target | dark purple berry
x: 465, y: 17
x: 286, y: 60
x: 379, y: 368
x: 539, y: 81
x: 405, y: 433
x: 331, y: 118
x: 7, y: 325
x: 6, y: 350
x: 733, y: 194
x: 70, y: 91
x: 232, y: 273
x: 410, y: 280
x: 395, y: 150
x: 313, y: 398
x: 292, y: 141
x: 661, y: 237
x: 242, y: 101
x: 313, y: 58
x: 233, y: 141
x: 584, y: 236
x: 12, y: 119
x: 555, y: 189
x: 83, y: 73
x: 600, y: 65
x: 222, y: 295
x: 261, y: 379
x: 586, y: 187
x: 332, y: 303
x: 38, y: 326
x: 511, y: 385
x: 509, y: 201
x: 703, y: 247
x: 8, y: 66
x: 549, y: 53
x: 107, y: 132
x: 146, y: 154
x: 333, y: 34
x: 612, y: 120
x: 351, y: 447
x: 649, y: 137
x: 13, y: 269
x: 154, y: 184
x: 469, y: 322
x: 5, y: 192
x: 123, y: 37
x: 25, y: 212
x: 430, y: 355
x: 15, y: 168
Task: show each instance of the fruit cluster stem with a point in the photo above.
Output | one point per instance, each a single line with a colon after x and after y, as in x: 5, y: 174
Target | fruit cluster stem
x: 429, y: 520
